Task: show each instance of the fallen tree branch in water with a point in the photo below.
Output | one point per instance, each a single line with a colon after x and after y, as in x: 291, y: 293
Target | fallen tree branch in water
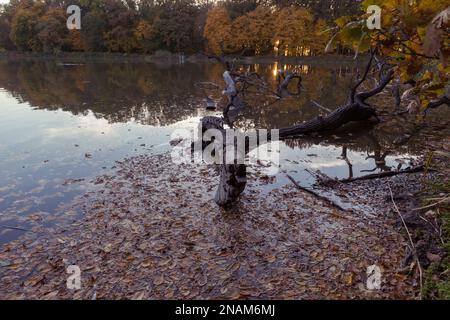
x: 327, y: 200
x: 357, y: 111
x: 384, y: 174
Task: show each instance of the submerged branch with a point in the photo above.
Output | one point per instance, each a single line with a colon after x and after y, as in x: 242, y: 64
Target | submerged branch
x: 327, y: 200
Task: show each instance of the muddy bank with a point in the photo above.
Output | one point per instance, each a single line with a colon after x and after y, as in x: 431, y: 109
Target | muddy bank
x: 153, y: 232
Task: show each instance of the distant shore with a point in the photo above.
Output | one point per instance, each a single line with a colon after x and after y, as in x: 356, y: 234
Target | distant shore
x: 168, y: 57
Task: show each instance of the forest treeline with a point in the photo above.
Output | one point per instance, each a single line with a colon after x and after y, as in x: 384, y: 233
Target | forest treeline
x: 251, y: 27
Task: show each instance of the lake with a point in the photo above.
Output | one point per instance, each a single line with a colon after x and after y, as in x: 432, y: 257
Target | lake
x: 63, y: 124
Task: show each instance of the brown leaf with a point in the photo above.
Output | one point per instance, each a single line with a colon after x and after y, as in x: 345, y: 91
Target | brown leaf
x: 433, y: 257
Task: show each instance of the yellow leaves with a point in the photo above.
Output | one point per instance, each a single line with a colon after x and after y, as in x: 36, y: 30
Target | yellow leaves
x: 429, y: 7
x: 294, y: 28
x: 144, y: 31
x: 408, y: 68
x: 257, y: 29
x: 261, y: 28
x: 381, y: 3
x: 427, y: 76
x: 351, y: 34
x: 217, y: 29
x: 342, y: 21
x: 348, y: 278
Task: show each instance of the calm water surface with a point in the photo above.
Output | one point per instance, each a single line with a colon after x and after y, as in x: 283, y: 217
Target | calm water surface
x: 63, y: 124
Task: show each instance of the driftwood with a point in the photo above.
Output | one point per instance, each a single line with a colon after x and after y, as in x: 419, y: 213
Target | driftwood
x: 334, y: 120
x: 384, y: 174
x: 233, y: 177
x: 357, y: 109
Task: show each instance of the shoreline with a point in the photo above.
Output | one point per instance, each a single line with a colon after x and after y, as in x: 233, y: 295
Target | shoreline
x: 168, y: 57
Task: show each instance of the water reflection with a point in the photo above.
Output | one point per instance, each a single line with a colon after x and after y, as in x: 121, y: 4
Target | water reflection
x: 153, y: 94
x: 62, y: 124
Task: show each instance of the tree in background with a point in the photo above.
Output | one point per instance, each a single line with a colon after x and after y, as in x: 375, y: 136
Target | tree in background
x: 145, y: 35
x: 218, y: 30
x: 24, y: 25
x: 144, y: 26
x: 148, y: 25
x: 294, y: 28
x: 94, y: 26
x: 51, y: 30
x: 6, y: 14
x: 176, y: 25
x: 121, y: 19
x: 328, y: 10
x: 238, y: 8
x: 260, y: 28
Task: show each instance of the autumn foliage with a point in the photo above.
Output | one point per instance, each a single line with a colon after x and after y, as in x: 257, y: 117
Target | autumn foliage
x: 179, y: 26
x: 414, y: 39
x: 414, y: 36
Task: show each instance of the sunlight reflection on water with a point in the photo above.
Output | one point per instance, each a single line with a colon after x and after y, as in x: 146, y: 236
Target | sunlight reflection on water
x: 74, y: 123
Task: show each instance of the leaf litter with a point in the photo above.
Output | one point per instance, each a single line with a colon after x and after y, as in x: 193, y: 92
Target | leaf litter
x: 153, y: 231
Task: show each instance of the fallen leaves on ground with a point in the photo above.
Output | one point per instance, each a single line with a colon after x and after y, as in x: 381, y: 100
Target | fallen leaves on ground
x: 146, y: 235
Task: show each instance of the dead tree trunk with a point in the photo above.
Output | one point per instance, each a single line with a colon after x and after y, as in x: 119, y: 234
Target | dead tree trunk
x: 233, y: 179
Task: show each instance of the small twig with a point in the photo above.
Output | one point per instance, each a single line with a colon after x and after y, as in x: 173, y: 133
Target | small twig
x: 413, y: 247
x: 15, y: 228
x: 435, y: 229
x: 432, y: 205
